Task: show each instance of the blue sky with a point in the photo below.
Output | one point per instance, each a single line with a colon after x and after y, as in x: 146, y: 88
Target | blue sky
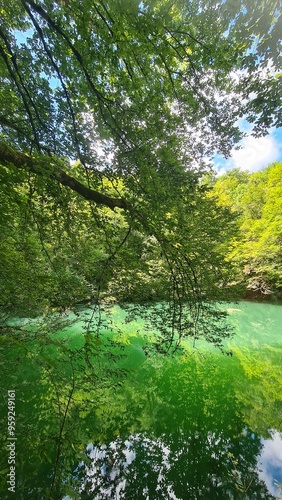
x: 254, y: 154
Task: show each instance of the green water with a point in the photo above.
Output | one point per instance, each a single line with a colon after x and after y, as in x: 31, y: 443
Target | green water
x: 97, y: 419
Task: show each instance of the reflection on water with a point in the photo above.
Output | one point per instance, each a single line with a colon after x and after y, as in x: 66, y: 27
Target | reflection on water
x: 99, y: 420
x: 112, y: 468
x: 270, y: 463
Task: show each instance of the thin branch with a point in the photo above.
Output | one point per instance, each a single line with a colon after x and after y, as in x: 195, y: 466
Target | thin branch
x: 120, y: 245
x: 62, y: 426
x: 24, y: 87
x: 103, y: 102
x: 76, y: 53
x: 21, y: 93
x: 6, y: 122
x: 103, y: 19
x: 170, y: 31
x: 55, y: 66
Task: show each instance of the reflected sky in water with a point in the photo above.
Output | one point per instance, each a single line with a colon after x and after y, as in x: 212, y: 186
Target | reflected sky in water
x: 110, y: 465
x: 270, y: 463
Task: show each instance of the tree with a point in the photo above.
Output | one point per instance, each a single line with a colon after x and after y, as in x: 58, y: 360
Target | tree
x: 256, y: 198
x: 138, y: 93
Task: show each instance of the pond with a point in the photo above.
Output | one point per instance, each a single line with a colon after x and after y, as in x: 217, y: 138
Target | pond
x: 97, y: 419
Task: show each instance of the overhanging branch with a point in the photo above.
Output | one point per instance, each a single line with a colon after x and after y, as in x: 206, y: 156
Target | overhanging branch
x: 47, y: 167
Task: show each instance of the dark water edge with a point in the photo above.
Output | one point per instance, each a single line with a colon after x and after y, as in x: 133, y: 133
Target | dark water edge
x: 98, y: 419
x: 274, y: 297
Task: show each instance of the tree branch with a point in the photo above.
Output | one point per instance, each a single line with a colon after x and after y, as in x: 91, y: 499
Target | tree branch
x: 5, y: 122
x: 46, y: 167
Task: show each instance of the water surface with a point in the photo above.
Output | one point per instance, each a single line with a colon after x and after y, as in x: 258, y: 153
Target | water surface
x: 98, y: 419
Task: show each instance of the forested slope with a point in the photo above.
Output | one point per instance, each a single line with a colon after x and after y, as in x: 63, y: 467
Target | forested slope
x: 256, y: 198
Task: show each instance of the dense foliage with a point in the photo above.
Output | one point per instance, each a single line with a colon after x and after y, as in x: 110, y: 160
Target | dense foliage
x: 256, y: 198
x: 108, y: 111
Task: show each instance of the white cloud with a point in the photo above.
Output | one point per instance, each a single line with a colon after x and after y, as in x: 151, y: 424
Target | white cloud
x: 254, y: 154
x: 220, y: 170
x: 270, y: 463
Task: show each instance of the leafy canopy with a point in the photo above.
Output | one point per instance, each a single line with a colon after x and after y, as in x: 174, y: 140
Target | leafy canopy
x: 257, y: 199
x: 138, y: 94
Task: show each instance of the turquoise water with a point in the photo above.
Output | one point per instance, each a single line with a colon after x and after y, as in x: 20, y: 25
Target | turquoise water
x: 97, y: 419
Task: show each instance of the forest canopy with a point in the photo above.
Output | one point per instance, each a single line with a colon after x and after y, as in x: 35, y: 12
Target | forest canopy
x: 110, y: 112
x: 256, y: 198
